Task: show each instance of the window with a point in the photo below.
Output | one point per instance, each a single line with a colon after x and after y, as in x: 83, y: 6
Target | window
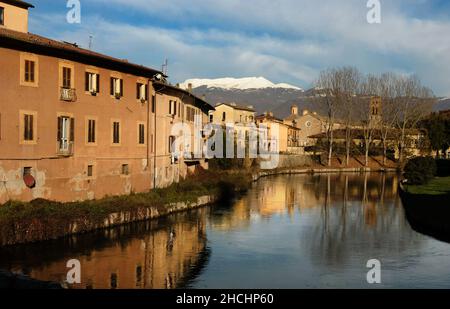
x: 2, y: 16
x: 66, y: 77
x: 141, y: 92
x: 116, y: 132
x: 224, y: 116
x: 138, y: 276
x: 211, y: 118
x: 308, y: 124
x: 141, y: 129
x: 171, y: 144
x: 91, y: 131
x: 113, y: 281
x: 92, y: 82
x: 125, y: 169
x: 191, y: 112
x: 66, y: 134
x: 28, y: 128
x: 90, y: 170
x: 29, y: 71
x: 27, y: 171
x: 153, y: 104
x: 117, y: 87
x: 172, y: 108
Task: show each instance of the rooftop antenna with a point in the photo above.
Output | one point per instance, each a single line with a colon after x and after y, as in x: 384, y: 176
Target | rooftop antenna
x: 165, y: 67
x: 91, y: 39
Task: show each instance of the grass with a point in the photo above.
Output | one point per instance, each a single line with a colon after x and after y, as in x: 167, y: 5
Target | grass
x: 201, y: 183
x: 437, y: 186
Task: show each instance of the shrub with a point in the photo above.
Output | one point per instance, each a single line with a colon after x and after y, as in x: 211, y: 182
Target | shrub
x: 420, y: 170
x: 443, y: 167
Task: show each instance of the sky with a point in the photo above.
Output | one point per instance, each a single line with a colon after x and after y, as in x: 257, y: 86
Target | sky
x: 285, y: 41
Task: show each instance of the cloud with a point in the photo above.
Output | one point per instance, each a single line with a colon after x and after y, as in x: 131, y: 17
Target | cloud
x: 285, y: 40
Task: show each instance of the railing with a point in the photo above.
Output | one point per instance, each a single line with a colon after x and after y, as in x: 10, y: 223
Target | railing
x: 68, y: 94
x: 65, y: 148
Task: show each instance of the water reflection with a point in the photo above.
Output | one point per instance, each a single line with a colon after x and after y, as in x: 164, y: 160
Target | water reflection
x: 157, y: 254
x: 297, y: 231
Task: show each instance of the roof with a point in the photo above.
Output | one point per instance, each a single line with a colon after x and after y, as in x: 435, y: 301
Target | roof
x: 237, y: 106
x: 297, y: 116
x: 202, y: 104
x: 29, y: 42
x: 21, y: 4
x: 275, y: 119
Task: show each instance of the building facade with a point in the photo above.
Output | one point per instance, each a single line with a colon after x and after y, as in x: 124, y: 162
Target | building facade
x: 288, y: 136
x: 75, y: 124
x: 309, y: 124
x: 226, y: 113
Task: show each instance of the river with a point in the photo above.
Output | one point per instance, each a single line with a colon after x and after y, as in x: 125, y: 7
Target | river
x: 299, y: 231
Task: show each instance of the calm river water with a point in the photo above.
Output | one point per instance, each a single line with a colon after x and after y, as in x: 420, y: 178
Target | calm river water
x: 297, y: 231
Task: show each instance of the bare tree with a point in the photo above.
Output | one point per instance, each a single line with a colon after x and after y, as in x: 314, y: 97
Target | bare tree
x: 386, y: 91
x: 414, y: 102
x: 338, y: 87
x: 329, y: 88
x: 351, y: 79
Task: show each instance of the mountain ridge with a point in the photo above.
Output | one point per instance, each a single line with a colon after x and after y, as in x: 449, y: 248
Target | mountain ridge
x: 229, y: 83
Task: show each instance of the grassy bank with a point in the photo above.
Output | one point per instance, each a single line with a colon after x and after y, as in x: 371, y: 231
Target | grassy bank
x: 219, y: 184
x: 437, y: 186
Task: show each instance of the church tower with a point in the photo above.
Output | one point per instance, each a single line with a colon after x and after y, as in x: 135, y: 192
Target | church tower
x: 375, y: 111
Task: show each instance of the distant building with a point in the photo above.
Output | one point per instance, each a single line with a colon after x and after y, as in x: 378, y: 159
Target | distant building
x: 288, y: 136
x: 309, y: 123
x: 232, y: 113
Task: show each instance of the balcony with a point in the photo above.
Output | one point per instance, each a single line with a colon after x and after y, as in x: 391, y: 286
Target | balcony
x: 68, y: 94
x: 65, y: 148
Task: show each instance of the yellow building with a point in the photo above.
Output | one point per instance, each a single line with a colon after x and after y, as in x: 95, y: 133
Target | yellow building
x: 226, y: 113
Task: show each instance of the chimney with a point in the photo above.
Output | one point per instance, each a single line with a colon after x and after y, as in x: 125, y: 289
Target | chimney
x: 204, y: 98
x: 271, y: 114
x: 190, y: 87
x: 294, y: 110
x: 305, y: 112
x: 250, y: 106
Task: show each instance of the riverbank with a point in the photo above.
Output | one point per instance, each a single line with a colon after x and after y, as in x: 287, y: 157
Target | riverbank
x: 427, y: 207
x: 41, y: 220
x: 319, y: 170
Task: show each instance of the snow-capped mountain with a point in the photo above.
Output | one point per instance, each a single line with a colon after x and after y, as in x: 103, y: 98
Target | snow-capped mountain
x: 228, y: 83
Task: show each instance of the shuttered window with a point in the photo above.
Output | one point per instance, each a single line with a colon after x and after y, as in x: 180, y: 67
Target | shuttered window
x: 29, y: 71
x: 116, y: 132
x: 28, y: 128
x: 91, y: 131
x: 141, y: 134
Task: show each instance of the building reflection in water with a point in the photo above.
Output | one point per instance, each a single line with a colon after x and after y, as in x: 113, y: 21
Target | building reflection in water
x: 323, y: 227
x: 158, y: 254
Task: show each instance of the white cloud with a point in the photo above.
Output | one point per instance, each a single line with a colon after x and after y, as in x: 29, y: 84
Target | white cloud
x: 285, y: 41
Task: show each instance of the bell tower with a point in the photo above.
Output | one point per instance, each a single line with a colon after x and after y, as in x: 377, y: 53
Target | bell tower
x: 14, y: 15
x: 375, y: 111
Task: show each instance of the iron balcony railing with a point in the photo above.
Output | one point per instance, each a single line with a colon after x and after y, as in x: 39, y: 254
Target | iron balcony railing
x: 65, y: 148
x: 68, y: 94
